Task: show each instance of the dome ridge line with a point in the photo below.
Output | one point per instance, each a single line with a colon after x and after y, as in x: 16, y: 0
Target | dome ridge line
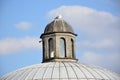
x: 53, y: 69
x: 96, y: 72
x: 45, y: 71
x: 73, y: 70
x: 63, y: 26
x: 59, y: 70
x: 78, y: 66
x: 102, y: 71
x: 88, y: 70
x: 28, y: 74
x: 54, y: 25
x: 111, y: 75
x: 42, y: 66
x: 66, y: 70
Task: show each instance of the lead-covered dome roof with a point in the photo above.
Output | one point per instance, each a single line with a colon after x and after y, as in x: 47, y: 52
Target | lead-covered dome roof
x: 58, y: 25
x: 61, y: 71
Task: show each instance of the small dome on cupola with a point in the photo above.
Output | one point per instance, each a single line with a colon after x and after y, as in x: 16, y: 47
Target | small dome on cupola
x: 58, y: 25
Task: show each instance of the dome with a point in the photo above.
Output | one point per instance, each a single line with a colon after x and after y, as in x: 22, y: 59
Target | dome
x: 58, y: 25
x: 61, y: 71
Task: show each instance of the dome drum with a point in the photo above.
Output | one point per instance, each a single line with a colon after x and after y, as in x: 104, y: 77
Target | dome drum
x: 59, y: 50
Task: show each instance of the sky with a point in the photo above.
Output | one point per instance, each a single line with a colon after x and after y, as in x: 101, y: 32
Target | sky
x: 96, y: 22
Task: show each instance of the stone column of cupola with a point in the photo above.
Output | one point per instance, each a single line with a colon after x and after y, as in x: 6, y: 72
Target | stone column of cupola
x: 45, y: 48
x: 73, y: 48
x: 68, y: 47
x: 57, y: 46
x: 54, y: 44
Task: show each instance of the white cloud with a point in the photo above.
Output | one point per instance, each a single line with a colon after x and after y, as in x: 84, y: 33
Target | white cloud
x: 105, y: 43
x: 23, y: 25
x: 110, y: 61
x: 87, y: 19
x: 12, y: 45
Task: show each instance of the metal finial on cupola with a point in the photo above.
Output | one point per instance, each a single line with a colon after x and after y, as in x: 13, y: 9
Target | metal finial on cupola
x: 58, y: 17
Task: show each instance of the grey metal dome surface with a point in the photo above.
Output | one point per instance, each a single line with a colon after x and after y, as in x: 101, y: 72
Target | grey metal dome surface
x: 58, y: 25
x: 61, y: 71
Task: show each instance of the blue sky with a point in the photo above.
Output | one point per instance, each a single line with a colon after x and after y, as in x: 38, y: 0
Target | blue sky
x: 23, y: 21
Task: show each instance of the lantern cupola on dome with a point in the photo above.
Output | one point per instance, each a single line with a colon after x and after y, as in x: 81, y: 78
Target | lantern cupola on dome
x: 58, y: 41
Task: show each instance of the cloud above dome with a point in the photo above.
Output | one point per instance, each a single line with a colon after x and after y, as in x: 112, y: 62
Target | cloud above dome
x: 87, y: 19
